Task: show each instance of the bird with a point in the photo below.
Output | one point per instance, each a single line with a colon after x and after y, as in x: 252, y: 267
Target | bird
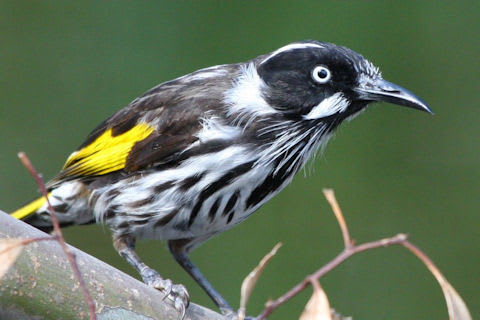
x: 197, y: 155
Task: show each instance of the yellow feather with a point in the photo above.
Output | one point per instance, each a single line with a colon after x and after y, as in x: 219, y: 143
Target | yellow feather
x: 107, y: 153
x: 29, y: 209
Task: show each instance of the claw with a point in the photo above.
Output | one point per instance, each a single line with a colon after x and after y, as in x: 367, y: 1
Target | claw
x: 167, y: 293
x: 175, y: 292
x: 165, y: 286
x: 181, y: 299
x: 180, y: 307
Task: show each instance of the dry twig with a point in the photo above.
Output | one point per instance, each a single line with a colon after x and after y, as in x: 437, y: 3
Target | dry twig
x: 456, y: 307
x: 58, y: 234
x: 330, y: 195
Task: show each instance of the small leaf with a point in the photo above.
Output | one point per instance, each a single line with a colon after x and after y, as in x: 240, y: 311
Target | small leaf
x: 10, y: 249
x: 318, y: 307
x: 249, y: 282
x: 457, y: 309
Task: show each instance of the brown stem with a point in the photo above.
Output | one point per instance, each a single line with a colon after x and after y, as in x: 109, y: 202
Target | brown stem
x: 330, y: 195
x: 57, y: 230
x: 26, y: 241
x: 344, y: 255
x: 419, y: 253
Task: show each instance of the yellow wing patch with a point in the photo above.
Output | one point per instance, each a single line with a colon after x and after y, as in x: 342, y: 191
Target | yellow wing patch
x: 107, y: 153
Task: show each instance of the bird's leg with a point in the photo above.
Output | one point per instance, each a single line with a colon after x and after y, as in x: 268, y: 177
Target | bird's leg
x: 125, y: 246
x: 177, y: 248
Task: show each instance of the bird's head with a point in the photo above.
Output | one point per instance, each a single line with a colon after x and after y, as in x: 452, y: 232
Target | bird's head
x: 321, y: 81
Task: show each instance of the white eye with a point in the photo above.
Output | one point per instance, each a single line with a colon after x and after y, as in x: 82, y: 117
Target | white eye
x: 321, y: 74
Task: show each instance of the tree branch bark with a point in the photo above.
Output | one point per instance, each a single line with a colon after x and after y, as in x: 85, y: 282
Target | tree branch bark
x: 41, y: 285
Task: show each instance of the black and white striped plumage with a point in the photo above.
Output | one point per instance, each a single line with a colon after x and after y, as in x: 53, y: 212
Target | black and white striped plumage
x: 219, y: 143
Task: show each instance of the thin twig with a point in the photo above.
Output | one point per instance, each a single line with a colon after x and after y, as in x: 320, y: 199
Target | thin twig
x: 344, y: 255
x: 330, y: 195
x: 57, y: 230
x: 26, y: 241
x: 457, y: 308
x: 419, y: 253
x: 349, y: 250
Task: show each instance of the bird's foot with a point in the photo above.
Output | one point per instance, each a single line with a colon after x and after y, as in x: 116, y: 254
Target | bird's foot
x: 175, y: 292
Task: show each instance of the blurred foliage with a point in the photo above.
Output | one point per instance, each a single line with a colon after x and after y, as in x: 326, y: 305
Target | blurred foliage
x: 66, y: 65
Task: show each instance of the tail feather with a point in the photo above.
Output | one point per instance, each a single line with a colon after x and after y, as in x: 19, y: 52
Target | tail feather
x: 70, y: 203
x: 29, y: 210
x: 29, y: 214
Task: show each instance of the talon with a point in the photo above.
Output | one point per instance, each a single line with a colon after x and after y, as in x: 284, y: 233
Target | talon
x: 166, y: 287
x: 175, y: 292
x: 180, y: 307
x: 181, y: 292
x: 166, y: 295
x: 181, y: 298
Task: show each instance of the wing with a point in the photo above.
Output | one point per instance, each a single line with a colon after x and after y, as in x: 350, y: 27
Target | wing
x: 154, y: 129
x: 107, y: 153
x: 145, y: 133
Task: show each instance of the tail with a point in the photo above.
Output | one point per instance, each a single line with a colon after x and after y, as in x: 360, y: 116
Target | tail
x: 30, y: 214
x: 29, y: 209
x: 69, y: 201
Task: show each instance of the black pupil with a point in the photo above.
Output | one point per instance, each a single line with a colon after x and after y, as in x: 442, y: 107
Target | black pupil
x: 322, y: 73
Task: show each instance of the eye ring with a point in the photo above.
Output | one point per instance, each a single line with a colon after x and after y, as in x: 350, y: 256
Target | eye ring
x: 321, y: 74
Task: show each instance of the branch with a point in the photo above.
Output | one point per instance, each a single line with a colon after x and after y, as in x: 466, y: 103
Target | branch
x: 41, y: 283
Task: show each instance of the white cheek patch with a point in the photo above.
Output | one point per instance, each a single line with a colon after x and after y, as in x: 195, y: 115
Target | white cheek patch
x: 245, y: 97
x: 331, y: 105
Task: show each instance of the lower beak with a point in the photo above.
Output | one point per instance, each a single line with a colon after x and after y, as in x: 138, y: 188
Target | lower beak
x: 382, y: 90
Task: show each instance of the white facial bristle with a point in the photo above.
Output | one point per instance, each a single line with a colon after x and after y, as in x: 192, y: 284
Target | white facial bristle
x: 289, y: 47
x: 331, y: 105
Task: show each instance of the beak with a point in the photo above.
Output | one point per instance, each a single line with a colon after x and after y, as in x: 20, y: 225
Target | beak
x: 382, y: 90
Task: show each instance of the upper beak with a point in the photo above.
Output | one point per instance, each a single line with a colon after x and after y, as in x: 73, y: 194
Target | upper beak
x: 382, y: 90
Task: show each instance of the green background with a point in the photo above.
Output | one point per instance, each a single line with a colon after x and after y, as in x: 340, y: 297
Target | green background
x: 65, y: 66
